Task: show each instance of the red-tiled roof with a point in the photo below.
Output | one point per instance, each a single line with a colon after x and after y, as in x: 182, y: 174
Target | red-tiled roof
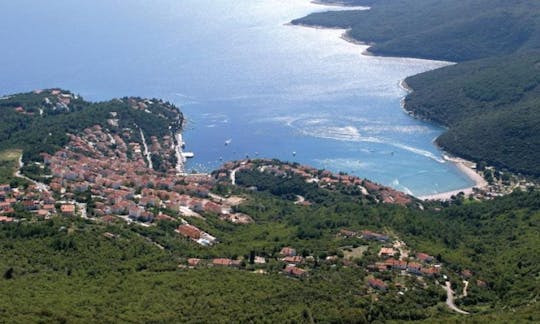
x: 377, y: 283
x: 288, y: 251
x: 67, y: 209
x: 295, y: 271
x: 194, y: 261
x: 190, y: 231
x: 222, y: 262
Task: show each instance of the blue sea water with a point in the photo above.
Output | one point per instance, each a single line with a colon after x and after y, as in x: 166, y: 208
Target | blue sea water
x: 239, y: 73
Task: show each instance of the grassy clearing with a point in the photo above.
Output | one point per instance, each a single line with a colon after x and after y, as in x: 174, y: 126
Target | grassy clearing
x: 354, y: 253
x: 9, y: 160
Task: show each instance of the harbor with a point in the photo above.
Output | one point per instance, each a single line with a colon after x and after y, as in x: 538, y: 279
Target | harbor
x: 181, y: 156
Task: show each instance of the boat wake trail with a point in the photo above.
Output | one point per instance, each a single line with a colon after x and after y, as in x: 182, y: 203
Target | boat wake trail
x: 319, y: 127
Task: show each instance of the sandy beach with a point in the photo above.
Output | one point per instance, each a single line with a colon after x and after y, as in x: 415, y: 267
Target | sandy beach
x: 465, y: 167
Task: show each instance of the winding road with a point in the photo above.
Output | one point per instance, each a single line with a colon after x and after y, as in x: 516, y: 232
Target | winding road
x: 450, y: 299
x: 465, y: 287
x: 300, y: 200
x: 233, y: 176
x: 18, y: 174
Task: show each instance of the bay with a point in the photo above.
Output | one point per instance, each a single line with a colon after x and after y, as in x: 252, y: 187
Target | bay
x: 241, y: 76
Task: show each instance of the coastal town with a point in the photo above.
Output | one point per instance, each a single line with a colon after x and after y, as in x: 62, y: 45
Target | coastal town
x: 113, y: 170
x: 270, y: 161
x: 106, y: 175
x: 110, y: 173
x: 323, y: 178
x: 167, y: 155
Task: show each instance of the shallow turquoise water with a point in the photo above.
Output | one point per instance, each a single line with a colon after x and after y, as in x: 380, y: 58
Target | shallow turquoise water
x: 240, y: 74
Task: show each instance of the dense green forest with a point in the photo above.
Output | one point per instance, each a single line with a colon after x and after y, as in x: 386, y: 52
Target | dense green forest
x: 491, y: 106
x: 490, y: 100
x: 489, y: 237
x: 71, y: 270
x: 82, y: 276
x: 439, y: 29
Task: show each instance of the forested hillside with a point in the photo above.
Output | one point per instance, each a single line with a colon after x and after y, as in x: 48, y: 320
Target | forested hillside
x: 83, y: 270
x: 491, y: 106
x: 443, y: 30
x: 490, y: 100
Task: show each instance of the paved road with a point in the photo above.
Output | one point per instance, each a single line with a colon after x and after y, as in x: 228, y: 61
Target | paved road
x: 180, y: 159
x: 465, y: 287
x: 146, y: 152
x: 450, y: 299
x: 233, y: 176
x: 39, y: 185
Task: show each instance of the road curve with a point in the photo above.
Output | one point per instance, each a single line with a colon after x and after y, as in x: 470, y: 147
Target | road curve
x: 450, y: 299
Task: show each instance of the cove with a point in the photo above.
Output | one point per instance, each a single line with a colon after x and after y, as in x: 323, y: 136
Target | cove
x: 242, y: 77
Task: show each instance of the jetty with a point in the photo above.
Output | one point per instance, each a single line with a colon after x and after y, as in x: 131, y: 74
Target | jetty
x: 180, y: 158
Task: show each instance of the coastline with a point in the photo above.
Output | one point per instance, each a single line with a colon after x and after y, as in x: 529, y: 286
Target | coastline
x: 312, y: 26
x: 345, y: 36
x: 465, y: 167
x: 330, y: 4
x: 405, y: 87
x: 344, y: 5
x: 178, y: 149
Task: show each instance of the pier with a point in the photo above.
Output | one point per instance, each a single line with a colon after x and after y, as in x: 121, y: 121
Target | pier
x: 181, y: 156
